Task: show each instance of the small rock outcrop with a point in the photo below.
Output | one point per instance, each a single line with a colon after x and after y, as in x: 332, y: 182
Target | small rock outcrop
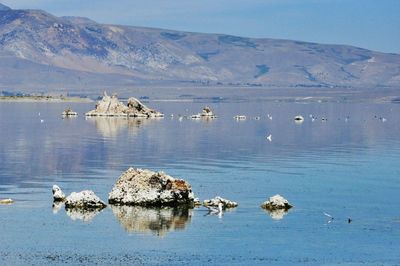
x: 138, y: 109
x: 68, y: 112
x: 108, y: 106
x: 298, y: 119
x: 85, y: 199
x: 276, y: 202
x: 111, y: 106
x: 240, y: 117
x: 206, y: 113
x: 58, y: 194
x: 6, y: 201
x: 226, y: 204
x: 147, y: 188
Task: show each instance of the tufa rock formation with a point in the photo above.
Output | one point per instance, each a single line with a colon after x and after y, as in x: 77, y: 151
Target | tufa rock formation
x: 206, y: 113
x: 276, y: 202
x: 58, y: 194
x: 111, y: 106
x: 226, y: 204
x: 138, y: 109
x: 68, y: 112
x: 147, y: 188
x: 6, y: 201
x: 85, y: 199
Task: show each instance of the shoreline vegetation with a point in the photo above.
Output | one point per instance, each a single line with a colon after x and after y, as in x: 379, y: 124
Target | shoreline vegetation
x: 44, y: 98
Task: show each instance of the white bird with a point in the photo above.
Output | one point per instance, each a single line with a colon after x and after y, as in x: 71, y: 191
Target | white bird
x: 41, y: 120
x: 269, y: 116
x: 329, y: 216
x: 269, y: 137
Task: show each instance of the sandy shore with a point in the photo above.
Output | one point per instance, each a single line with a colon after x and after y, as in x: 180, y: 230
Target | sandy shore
x: 46, y: 99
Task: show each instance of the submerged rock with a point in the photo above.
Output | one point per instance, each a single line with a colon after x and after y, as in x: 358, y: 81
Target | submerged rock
x: 240, y: 117
x: 157, y: 221
x: 276, y: 202
x: 6, y: 201
x: 147, y: 188
x: 198, y: 116
x: 226, y: 204
x: 85, y: 199
x: 58, y: 194
x: 111, y: 106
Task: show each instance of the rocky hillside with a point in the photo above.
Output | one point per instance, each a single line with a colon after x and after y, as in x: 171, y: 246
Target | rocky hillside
x: 42, y: 51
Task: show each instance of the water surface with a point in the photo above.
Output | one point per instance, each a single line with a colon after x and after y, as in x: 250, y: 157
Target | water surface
x: 346, y: 165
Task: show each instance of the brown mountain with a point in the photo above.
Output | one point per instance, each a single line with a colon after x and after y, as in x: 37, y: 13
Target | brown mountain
x: 39, y: 51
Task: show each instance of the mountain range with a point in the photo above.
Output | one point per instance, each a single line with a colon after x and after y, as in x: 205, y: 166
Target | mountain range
x: 40, y: 51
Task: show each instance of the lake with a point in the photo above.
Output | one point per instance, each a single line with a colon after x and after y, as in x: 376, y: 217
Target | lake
x: 346, y: 165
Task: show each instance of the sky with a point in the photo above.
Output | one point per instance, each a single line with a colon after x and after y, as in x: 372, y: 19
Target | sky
x: 371, y: 24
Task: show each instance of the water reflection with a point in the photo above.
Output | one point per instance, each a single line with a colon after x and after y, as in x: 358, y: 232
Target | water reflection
x: 85, y: 215
x: 277, y: 214
x: 158, y: 221
x: 57, y: 205
x: 110, y: 127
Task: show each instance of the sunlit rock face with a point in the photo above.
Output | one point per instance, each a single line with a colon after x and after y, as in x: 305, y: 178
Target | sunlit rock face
x: 226, y: 204
x: 276, y: 202
x: 158, y: 221
x: 147, y: 188
x: 85, y: 199
x: 58, y: 194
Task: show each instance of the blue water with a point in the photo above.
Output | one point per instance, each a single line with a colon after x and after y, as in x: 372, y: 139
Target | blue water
x: 349, y: 168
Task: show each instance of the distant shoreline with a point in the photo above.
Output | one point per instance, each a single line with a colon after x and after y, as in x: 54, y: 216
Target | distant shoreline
x: 44, y: 99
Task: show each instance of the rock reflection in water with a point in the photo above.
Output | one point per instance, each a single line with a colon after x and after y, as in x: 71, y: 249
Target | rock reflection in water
x: 85, y: 215
x: 277, y: 214
x: 57, y: 205
x: 110, y: 127
x: 158, y: 221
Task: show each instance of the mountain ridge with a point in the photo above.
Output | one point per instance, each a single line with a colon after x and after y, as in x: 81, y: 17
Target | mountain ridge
x: 76, y: 48
x: 4, y: 7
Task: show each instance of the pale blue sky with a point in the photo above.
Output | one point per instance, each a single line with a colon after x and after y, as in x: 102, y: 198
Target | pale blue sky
x: 371, y: 24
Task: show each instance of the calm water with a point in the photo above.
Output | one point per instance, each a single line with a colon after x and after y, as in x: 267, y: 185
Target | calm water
x: 349, y: 168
